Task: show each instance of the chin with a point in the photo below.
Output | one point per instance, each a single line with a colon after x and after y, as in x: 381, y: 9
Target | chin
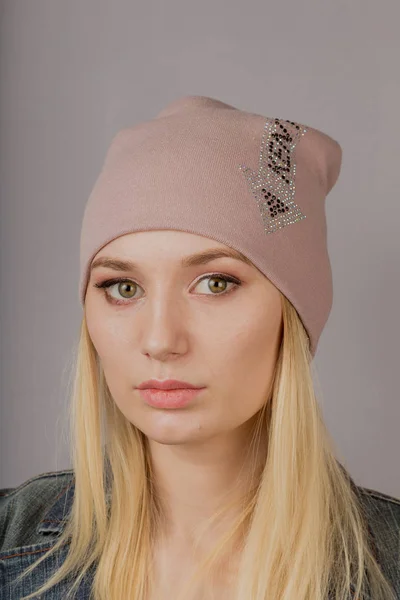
x: 171, y: 428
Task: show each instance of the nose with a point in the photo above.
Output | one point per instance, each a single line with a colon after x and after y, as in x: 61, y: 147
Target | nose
x: 162, y: 328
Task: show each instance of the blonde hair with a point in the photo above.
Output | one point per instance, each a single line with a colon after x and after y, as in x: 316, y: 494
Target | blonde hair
x: 305, y: 532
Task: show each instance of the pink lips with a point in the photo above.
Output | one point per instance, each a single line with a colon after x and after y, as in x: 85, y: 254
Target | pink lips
x: 169, y: 398
x: 167, y: 384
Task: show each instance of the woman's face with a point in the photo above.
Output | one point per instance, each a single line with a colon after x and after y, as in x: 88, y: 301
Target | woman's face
x: 212, y: 333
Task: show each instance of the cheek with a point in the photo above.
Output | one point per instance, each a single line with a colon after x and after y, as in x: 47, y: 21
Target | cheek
x: 110, y: 336
x: 254, y: 341
x: 111, y: 342
x: 249, y: 361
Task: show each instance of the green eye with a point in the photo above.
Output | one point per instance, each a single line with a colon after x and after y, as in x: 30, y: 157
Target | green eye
x: 218, y: 286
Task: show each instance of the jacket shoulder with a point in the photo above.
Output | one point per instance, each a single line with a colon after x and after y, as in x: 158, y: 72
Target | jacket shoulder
x: 23, y: 507
x: 379, y: 505
x: 382, y: 512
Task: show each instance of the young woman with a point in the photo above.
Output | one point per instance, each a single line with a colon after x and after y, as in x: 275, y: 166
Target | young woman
x: 202, y: 467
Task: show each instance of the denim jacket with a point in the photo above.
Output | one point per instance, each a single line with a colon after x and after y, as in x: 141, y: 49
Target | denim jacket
x: 33, y: 514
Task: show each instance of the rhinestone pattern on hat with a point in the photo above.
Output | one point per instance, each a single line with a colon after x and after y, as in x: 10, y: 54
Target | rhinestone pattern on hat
x: 274, y: 184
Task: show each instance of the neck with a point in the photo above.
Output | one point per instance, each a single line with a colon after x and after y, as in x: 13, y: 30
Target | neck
x: 193, y: 481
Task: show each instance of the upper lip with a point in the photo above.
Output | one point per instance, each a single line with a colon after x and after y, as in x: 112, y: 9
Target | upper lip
x: 166, y: 384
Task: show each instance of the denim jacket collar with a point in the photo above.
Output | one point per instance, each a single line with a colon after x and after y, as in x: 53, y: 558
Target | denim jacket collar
x: 55, y: 518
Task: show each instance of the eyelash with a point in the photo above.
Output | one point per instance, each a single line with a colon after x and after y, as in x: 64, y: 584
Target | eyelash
x: 110, y: 282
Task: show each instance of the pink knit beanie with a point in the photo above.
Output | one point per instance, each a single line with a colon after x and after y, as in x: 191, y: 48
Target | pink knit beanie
x: 257, y: 184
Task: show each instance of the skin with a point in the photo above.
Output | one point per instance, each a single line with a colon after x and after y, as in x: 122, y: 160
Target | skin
x: 175, y: 327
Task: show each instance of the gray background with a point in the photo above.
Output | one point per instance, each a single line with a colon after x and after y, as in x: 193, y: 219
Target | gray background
x: 73, y: 73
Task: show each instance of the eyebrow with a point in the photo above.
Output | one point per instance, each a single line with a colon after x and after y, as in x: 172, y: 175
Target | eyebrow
x: 188, y: 261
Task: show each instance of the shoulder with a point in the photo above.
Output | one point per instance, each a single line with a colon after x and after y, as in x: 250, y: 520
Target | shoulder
x: 381, y: 509
x: 23, y: 509
x: 382, y: 513
x: 32, y: 516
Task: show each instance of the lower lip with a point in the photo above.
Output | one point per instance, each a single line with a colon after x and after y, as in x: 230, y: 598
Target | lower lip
x: 169, y: 398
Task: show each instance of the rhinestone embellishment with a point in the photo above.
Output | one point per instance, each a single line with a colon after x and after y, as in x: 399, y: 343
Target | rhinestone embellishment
x: 274, y: 184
